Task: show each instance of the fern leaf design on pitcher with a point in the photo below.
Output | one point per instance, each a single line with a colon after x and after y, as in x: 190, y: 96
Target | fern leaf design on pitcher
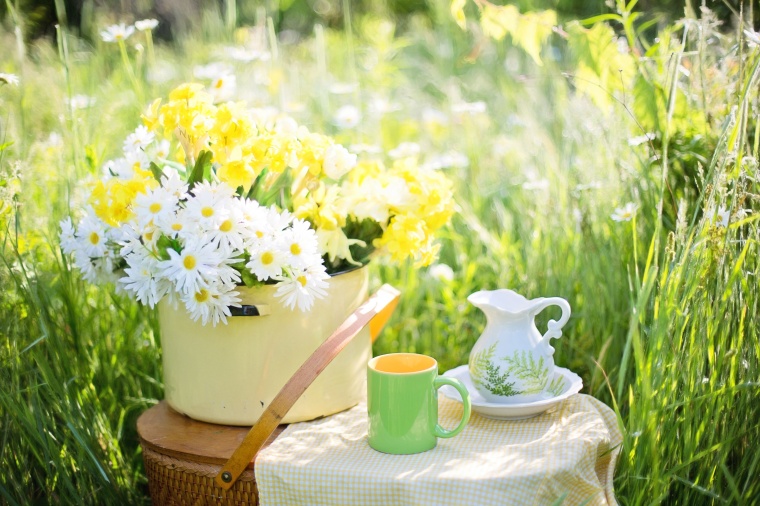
x: 488, y: 375
x: 556, y: 386
x: 534, y: 374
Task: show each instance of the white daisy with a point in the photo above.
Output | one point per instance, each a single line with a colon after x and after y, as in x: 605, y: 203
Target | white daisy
x: 301, y: 289
x: 146, y: 24
x: 337, y: 161
x: 625, y: 213
x: 266, y: 263
x: 9, y: 78
x: 161, y: 150
x: 209, y: 205
x: 195, y: 266
x: 175, y: 225
x: 69, y: 243
x: 154, y: 206
x: 211, y: 303
x: 143, y: 279
x: 117, y: 33
x: 173, y: 183
x: 299, y: 243
x: 370, y: 149
x: 138, y: 140
x: 231, y: 233
x: 91, y: 235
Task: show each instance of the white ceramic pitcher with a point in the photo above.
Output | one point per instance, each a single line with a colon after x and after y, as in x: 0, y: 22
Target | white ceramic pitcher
x: 512, y: 362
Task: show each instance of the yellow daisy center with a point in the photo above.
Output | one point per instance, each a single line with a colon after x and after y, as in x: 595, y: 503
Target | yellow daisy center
x: 177, y: 227
x: 267, y: 258
x: 189, y: 262
x: 201, y: 296
x: 259, y: 234
x: 207, y: 212
x: 219, y: 83
x: 148, y: 236
x: 226, y: 226
x: 94, y: 238
x: 302, y: 280
x: 295, y: 248
x: 155, y: 207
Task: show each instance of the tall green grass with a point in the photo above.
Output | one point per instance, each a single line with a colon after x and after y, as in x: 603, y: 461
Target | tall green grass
x: 664, y: 326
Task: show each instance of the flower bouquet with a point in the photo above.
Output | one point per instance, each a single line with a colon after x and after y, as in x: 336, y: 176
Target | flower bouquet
x: 211, y: 204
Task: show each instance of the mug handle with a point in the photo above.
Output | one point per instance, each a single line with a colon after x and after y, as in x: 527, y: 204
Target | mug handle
x: 440, y: 381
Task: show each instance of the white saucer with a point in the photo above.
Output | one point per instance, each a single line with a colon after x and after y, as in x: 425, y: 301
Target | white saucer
x: 572, y: 384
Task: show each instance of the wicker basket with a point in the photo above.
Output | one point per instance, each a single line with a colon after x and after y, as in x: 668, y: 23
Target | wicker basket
x: 182, y: 456
x: 177, y: 482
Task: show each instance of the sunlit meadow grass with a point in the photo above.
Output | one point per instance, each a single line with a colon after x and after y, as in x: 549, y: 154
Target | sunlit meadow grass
x: 665, y: 306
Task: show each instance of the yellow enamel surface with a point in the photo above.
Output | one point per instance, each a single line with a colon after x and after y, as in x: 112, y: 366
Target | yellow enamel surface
x: 229, y: 373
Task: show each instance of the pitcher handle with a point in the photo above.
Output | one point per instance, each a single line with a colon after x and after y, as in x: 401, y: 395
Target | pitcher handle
x: 555, y: 327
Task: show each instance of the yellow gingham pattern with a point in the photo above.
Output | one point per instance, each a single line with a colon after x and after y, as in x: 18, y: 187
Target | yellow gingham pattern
x: 570, y: 450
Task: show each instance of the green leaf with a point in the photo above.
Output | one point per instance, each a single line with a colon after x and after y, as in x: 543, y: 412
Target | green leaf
x: 157, y: 172
x: 202, y: 168
x: 6, y: 145
x: 256, y: 191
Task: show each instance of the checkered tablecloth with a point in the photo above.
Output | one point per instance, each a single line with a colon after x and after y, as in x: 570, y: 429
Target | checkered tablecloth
x: 567, y: 452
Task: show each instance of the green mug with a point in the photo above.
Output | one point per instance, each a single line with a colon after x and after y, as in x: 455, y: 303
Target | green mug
x: 402, y: 403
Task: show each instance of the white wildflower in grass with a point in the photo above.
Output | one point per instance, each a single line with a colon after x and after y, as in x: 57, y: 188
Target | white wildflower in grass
x: 138, y: 140
x: 80, y: 101
x: 211, y: 303
x: 266, y: 263
x: 146, y: 24
x: 405, y: 150
x: 154, y: 206
x: 212, y: 70
x: 452, y: 159
x: 625, y: 213
x: 11, y: 79
x: 223, y: 87
x: 303, y: 287
x: 347, y: 117
x: 641, y: 139
x: 441, y: 272
x: 434, y: 117
x: 721, y: 217
x: 470, y: 108
x: 337, y: 161
x: 370, y: 149
x: 342, y: 88
x: 117, y: 33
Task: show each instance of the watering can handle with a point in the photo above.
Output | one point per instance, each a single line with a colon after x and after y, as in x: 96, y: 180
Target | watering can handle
x: 375, y: 312
x: 555, y: 327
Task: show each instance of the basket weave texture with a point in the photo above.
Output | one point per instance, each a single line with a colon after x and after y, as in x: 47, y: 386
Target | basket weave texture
x: 177, y: 482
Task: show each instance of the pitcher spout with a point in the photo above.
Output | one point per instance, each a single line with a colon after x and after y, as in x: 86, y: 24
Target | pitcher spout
x: 505, y: 303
